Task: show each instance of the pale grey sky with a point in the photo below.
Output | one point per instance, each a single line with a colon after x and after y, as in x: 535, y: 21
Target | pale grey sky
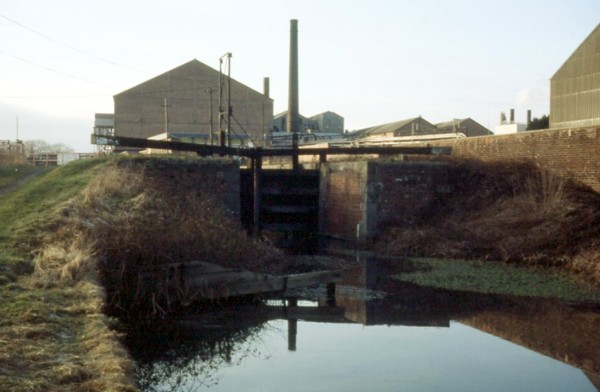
x: 370, y: 61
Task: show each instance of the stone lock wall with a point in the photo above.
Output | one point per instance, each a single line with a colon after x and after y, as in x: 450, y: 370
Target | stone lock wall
x: 358, y: 199
x: 215, y: 179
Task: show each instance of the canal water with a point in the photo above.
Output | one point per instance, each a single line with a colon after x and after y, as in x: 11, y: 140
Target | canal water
x: 378, y: 335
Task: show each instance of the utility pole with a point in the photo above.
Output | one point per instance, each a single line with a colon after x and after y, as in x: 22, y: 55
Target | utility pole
x: 17, y: 129
x: 225, y: 138
x: 166, y: 106
x: 210, y: 114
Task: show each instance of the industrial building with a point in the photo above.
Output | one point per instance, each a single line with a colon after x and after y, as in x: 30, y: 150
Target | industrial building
x: 417, y: 129
x: 575, y: 87
x: 280, y: 123
x: 466, y: 126
x: 326, y: 122
x: 507, y: 127
x: 415, y: 126
x: 187, y: 100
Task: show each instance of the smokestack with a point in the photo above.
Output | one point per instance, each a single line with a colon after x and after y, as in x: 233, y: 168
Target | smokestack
x: 266, y: 87
x: 293, y: 115
x: 512, y: 116
x: 502, y: 118
x: 528, y: 117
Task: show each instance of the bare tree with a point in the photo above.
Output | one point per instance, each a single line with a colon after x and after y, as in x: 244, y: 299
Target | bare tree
x: 40, y: 146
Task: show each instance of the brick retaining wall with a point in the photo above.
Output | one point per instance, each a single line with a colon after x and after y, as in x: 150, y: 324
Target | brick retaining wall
x: 358, y: 199
x: 571, y: 153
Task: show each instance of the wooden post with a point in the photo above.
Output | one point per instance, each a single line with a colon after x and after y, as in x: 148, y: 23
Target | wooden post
x: 292, y: 326
x: 295, y: 157
x: 323, y: 157
x: 331, y: 294
x: 257, y: 170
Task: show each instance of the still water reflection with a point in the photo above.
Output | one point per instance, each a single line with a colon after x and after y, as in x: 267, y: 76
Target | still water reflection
x: 411, y: 339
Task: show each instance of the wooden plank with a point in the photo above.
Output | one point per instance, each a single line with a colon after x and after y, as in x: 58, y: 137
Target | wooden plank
x: 205, y: 280
x: 313, y: 278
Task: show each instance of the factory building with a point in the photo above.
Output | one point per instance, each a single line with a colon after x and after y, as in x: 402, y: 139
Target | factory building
x: 416, y: 126
x: 575, y: 87
x: 466, y: 126
x: 185, y: 100
x: 326, y: 122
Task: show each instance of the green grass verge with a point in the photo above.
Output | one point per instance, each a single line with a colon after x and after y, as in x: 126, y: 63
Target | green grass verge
x: 496, y: 278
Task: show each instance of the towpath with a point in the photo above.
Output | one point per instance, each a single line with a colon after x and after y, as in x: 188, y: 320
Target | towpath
x: 11, y: 187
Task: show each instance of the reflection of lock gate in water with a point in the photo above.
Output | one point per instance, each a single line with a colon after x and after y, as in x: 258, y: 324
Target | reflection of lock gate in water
x: 366, y: 296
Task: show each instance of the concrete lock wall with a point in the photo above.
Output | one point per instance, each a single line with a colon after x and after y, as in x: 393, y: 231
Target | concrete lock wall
x: 358, y: 199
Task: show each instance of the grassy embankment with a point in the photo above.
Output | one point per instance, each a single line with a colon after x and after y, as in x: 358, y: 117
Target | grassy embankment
x: 508, y: 212
x: 71, y: 241
x: 53, y: 337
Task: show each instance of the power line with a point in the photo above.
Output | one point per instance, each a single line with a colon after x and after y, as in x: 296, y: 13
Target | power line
x: 53, y: 96
x: 72, y: 47
x: 52, y: 69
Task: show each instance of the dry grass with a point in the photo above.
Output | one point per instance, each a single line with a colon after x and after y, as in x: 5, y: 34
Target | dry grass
x: 54, y: 331
x: 508, y: 211
x: 51, y: 345
x: 132, y: 218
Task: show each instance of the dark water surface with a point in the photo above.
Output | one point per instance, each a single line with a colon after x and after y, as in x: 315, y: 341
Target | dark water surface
x: 380, y: 335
